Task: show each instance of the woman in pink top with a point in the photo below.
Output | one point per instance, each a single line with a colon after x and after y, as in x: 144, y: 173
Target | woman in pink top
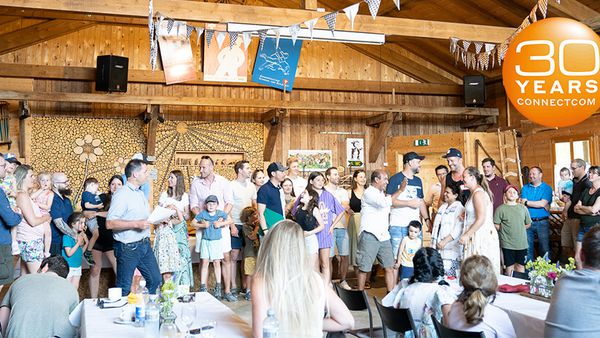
x: 33, y: 235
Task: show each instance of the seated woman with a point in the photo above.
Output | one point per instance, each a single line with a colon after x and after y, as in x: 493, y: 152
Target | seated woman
x: 474, y: 311
x: 426, y: 293
x: 285, y: 281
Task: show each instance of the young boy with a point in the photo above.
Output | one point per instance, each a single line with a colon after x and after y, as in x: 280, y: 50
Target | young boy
x: 212, y: 220
x: 408, y: 247
x: 512, y: 221
x: 90, y: 201
x: 249, y: 218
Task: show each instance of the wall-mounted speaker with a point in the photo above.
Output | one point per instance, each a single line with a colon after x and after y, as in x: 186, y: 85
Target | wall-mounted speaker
x: 111, y: 73
x: 474, y: 90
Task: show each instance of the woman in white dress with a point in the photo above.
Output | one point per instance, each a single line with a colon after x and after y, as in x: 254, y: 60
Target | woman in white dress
x: 479, y: 235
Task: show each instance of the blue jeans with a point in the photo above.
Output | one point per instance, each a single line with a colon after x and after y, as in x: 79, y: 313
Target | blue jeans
x: 541, y: 229
x: 136, y: 255
x: 397, y: 233
x: 341, y: 241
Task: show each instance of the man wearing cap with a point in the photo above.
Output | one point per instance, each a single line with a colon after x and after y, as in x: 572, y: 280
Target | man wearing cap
x: 270, y: 197
x: 410, y: 205
x: 496, y: 183
x: 455, y: 163
x: 537, y: 196
x: 293, y: 174
x: 60, y: 211
x: 128, y: 219
x: 147, y: 160
x: 210, y: 183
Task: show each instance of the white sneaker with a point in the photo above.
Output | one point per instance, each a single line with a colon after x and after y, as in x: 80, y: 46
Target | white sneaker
x: 344, y: 285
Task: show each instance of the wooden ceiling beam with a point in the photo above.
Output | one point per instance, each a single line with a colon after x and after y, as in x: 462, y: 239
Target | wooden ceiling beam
x: 574, y: 9
x: 30, y: 71
x: 219, y: 12
x: 32, y: 35
x: 120, y: 99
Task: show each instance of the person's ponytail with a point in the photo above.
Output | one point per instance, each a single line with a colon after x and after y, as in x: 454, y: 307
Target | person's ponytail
x: 474, y: 307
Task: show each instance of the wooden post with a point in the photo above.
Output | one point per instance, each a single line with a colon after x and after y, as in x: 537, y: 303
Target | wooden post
x: 272, y: 121
x: 378, y: 137
x: 309, y: 4
x: 153, y: 110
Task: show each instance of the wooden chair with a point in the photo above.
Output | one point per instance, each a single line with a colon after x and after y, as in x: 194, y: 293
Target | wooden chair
x: 397, y: 320
x: 446, y: 332
x: 357, y: 300
x: 520, y: 275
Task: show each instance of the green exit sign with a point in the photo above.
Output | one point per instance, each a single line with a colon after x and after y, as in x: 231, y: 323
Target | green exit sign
x: 422, y: 142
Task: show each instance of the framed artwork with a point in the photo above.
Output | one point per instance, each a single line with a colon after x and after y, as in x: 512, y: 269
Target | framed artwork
x: 312, y: 160
x: 355, y: 152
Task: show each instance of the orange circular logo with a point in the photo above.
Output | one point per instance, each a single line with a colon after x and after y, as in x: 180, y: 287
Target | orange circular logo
x: 551, y: 72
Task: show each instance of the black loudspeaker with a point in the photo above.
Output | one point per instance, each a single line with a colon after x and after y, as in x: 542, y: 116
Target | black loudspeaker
x: 474, y: 86
x: 111, y: 73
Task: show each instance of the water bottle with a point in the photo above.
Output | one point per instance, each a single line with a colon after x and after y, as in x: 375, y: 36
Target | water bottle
x: 140, y: 304
x: 152, y: 318
x: 270, y: 325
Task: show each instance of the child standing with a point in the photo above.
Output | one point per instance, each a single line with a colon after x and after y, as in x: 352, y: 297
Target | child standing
x: 72, y: 248
x: 212, y: 220
x: 512, y: 221
x: 447, y: 229
x: 249, y: 218
x: 308, y: 216
x: 408, y: 247
x: 90, y: 201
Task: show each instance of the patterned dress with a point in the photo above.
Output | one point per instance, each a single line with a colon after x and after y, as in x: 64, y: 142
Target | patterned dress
x: 166, y: 249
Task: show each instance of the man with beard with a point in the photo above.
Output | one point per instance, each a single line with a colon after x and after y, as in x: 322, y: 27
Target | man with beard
x: 497, y: 184
x: 410, y: 203
x: 455, y: 162
x: 60, y: 211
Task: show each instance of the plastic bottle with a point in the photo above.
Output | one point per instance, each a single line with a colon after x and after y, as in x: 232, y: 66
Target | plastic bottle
x: 144, y: 291
x: 270, y: 325
x: 151, y: 323
x: 140, y: 304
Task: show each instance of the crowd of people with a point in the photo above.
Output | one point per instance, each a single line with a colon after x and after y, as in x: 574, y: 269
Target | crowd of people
x: 279, y: 231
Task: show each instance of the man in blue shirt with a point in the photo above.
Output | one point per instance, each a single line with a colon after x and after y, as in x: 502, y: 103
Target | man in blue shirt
x: 145, y: 188
x: 537, y: 196
x: 8, y: 219
x: 60, y: 211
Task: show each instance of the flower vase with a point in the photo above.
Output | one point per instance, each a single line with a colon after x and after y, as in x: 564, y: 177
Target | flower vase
x: 168, y: 329
x: 541, y: 286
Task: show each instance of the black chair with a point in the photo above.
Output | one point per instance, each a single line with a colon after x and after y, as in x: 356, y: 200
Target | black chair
x: 446, y: 332
x: 357, y: 300
x: 397, y: 320
x: 520, y: 275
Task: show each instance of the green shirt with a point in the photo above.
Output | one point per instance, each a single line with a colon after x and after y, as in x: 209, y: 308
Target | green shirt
x: 39, y: 306
x: 512, y: 220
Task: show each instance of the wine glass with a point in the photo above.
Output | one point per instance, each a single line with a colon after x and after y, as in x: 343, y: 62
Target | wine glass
x: 209, y: 329
x: 188, y: 315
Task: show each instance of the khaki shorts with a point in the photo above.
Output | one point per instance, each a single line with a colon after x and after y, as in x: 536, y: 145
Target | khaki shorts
x: 369, y: 248
x: 249, y: 265
x: 569, y: 231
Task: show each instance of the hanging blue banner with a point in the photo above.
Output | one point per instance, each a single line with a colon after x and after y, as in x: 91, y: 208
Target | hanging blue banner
x: 275, y: 66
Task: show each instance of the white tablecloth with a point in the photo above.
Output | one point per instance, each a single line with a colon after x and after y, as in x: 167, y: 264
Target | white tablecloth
x: 96, y: 322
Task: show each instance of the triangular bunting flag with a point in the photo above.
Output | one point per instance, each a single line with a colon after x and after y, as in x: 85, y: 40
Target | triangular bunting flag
x: 478, y: 46
x: 170, y: 24
x: 188, y: 31
x: 232, y: 39
x: 489, y: 47
x: 330, y: 19
x: 453, y: 43
x: 209, y: 35
x: 310, y: 24
x: 277, y: 35
x: 466, y: 44
x: 262, y: 35
x: 373, y: 7
x: 294, y: 29
x: 351, y: 12
x: 397, y: 2
x: 220, y: 38
x: 178, y: 24
x: 150, y: 20
x: 247, y: 37
x: 543, y: 6
x: 199, y: 32
x: 524, y: 24
x: 533, y: 14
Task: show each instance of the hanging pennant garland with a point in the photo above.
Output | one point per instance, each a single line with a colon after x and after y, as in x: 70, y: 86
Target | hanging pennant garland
x: 330, y: 19
x: 351, y: 12
x: 373, y: 7
x: 262, y: 35
x: 209, y: 35
x: 232, y: 39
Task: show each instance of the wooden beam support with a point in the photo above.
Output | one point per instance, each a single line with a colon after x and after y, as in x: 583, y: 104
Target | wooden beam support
x: 309, y: 4
x: 574, y: 9
x: 477, y: 122
x: 219, y: 12
x: 376, y: 120
x: 377, y: 140
x: 153, y: 110
x: 31, y: 35
x: 272, y: 120
x: 240, y: 103
x: 148, y: 76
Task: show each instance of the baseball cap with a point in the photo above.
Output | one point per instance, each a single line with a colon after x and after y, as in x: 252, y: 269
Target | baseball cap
x: 144, y: 158
x: 275, y: 166
x: 452, y: 152
x: 411, y: 156
x: 11, y: 158
x: 511, y: 186
x: 211, y: 198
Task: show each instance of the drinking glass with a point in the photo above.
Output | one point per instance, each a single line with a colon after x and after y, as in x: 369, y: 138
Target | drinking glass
x: 209, y: 329
x: 188, y: 315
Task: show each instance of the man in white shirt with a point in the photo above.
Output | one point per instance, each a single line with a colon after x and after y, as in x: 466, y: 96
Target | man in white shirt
x: 341, y: 241
x: 244, y: 195
x: 293, y: 174
x: 433, y: 194
x: 374, y: 237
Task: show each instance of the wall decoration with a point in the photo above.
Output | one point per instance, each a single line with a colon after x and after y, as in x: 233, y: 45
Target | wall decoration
x: 275, y: 65
x: 312, y: 160
x: 176, y: 52
x: 225, y: 62
x: 83, y: 148
x: 355, y: 152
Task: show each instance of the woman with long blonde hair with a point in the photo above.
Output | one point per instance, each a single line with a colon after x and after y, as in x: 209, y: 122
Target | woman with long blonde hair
x: 286, y: 282
x: 474, y: 310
